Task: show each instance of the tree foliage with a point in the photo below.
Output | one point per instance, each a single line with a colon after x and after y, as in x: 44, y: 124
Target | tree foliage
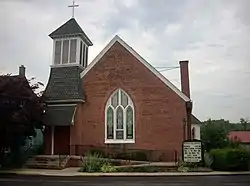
x: 245, y: 124
x: 213, y: 135
x: 214, y: 132
x: 21, y: 111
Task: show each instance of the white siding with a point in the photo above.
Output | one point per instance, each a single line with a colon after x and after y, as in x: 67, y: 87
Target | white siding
x: 197, y: 131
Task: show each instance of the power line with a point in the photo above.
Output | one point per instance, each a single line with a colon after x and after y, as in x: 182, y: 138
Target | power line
x: 169, y: 67
x: 163, y: 69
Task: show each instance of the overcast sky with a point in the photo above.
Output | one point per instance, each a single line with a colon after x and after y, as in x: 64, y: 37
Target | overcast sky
x: 214, y: 35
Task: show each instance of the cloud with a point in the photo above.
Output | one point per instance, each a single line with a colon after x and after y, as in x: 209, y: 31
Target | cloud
x: 213, y: 35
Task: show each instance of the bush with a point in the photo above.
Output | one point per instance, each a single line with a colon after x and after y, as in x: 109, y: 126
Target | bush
x: 94, y: 162
x: 208, y: 160
x: 108, y: 168
x: 230, y: 159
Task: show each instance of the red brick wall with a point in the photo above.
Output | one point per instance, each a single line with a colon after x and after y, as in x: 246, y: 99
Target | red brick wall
x: 77, y: 130
x: 158, y: 110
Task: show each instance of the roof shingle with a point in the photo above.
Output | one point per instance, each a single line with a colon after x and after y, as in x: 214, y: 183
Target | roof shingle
x: 71, y: 27
x: 64, y: 84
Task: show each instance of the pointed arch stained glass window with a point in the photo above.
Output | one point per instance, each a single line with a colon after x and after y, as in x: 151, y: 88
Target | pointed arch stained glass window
x: 129, y: 123
x: 124, y: 99
x: 119, y: 118
x: 115, y: 99
x: 110, y: 123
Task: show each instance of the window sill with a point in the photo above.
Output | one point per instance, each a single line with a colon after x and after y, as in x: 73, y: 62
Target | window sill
x: 119, y: 141
x: 66, y: 65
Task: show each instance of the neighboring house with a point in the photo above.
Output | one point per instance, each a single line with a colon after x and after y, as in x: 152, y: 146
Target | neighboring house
x: 242, y: 136
x: 195, y: 128
x: 118, y: 101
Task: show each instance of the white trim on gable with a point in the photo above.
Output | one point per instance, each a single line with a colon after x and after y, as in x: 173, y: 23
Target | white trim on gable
x: 139, y: 58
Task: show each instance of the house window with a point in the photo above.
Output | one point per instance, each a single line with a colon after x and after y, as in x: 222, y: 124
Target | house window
x: 119, y: 118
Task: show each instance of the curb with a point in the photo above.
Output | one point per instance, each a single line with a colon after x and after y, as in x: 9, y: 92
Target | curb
x: 158, y: 174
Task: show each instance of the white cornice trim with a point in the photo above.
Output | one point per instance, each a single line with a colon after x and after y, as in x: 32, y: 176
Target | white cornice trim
x: 67, y: 65
x: 65, y: 101
x: 139, y: 58
x: 62, y: 105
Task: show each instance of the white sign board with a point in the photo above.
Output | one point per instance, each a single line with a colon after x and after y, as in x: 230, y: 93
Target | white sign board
x: 192, y: 151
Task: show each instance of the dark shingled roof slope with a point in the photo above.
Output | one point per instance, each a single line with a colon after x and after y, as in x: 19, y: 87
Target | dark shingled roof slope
x: 59, y: 115
x: 64, y: 84
x: 71, y: 27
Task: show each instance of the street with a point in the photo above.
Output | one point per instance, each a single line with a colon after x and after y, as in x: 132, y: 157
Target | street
x: 236, y: 180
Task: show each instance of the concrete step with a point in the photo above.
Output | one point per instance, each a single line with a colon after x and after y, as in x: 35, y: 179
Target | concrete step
x: 53, y: 162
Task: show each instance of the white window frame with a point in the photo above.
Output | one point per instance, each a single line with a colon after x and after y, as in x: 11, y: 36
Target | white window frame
x: 85, y: 55
x: 77, y: 51
x: 108, y: 104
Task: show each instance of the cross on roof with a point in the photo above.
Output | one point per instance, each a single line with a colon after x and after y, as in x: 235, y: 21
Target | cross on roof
x: 73, y: 6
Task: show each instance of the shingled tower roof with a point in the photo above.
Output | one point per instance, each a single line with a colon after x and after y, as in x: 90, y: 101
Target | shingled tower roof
x: 71, y: 27
x: 64, y: 84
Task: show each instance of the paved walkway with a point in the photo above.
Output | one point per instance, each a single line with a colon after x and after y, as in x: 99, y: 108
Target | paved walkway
x: 74, y: 172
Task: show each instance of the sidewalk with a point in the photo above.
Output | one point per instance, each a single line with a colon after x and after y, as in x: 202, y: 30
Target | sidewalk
x: 74, y: 172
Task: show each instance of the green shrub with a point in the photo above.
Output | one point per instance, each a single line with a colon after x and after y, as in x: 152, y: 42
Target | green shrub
x: 183, y: 168
x: 186, y: 166
x: 108, y: 168
x: 234, y: 143
x: 94, y: 162
x: 230, y: 159
x: 208, y: 160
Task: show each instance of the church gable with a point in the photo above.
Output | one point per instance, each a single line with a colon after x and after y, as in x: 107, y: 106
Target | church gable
x: 151, y: 107
x: 117, y: 40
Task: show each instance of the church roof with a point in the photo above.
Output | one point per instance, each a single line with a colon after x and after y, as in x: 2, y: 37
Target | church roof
x: 139, y: 58
x: 64, y: 85
x: 242, y: 136
x: 59, y: 115
x: 71, y: 27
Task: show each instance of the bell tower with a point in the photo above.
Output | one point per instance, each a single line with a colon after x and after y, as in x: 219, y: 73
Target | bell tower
x: 69, y: 59
x: 64, y: 91
x: 70, y: 45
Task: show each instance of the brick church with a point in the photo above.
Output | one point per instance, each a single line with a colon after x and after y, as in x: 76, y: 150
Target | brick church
x: 118, y: 101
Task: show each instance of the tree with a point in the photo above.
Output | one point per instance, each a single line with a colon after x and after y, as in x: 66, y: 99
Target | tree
x: 21, y: 111
x: 213, y: 135
x: 244, y: 123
